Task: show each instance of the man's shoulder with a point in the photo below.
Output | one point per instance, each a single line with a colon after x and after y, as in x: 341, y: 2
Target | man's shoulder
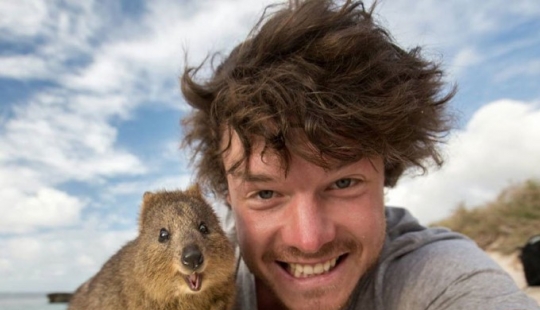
x: 450, y: 274
x: 405, y: 235
x: 440, y: 261
x: 434, y: 268
x: 430, y: 251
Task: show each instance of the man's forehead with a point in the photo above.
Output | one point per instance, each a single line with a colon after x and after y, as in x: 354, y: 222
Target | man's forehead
x: 260, y: 166
x: 233, y: 150
x: 266, y: 160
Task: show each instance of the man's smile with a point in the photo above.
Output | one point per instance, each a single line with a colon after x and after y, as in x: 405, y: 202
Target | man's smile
x: 306, y: 270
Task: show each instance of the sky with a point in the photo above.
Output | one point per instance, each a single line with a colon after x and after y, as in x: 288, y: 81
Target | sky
x: 90, y: 109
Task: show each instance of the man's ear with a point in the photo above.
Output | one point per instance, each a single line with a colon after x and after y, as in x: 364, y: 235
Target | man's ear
x: 228, y: 199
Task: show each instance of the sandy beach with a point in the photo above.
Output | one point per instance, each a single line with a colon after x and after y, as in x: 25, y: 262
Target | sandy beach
x: 513, y: 266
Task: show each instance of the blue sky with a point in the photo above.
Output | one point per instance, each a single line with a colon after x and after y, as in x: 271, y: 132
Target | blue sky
x: 90, y: 109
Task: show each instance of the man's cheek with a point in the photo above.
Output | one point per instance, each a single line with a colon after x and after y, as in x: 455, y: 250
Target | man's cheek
x: 242, y: 228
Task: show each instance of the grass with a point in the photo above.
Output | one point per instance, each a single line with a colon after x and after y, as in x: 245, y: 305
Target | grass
x: 502, y: 225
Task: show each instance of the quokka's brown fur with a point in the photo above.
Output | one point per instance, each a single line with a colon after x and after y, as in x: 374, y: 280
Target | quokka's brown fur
x: 181, y: 260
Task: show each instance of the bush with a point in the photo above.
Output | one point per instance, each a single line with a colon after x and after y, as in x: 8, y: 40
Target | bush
x: 503, y: 225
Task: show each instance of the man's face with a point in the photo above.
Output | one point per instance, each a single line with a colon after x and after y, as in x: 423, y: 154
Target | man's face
x: 310, y: 235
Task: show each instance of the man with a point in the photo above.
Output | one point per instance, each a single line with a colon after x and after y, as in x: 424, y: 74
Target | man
x: 299, y: 130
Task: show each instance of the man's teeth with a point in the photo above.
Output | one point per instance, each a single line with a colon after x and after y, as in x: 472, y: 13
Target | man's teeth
x: 304, y: 271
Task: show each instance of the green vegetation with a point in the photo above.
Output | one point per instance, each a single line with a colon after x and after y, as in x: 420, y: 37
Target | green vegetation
x: 502, y: 225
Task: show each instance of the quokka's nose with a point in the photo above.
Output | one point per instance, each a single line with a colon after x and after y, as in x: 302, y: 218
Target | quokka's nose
x: 192, y: 257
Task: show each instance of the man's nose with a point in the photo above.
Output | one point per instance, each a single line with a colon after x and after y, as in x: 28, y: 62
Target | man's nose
x: 308, y: 225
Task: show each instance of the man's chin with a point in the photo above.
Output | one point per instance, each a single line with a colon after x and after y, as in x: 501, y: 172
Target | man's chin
x: 318, y: 299
x: 294, y: 295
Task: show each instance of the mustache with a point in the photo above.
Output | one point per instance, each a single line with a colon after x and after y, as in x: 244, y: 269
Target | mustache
x: 287, y: 253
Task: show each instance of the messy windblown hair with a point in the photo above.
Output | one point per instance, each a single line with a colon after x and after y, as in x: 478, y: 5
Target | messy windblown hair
x: 324, y: 74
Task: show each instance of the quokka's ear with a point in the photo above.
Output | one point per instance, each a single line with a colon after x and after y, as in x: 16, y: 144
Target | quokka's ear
x: 147, y: 196
x: 194, y: 191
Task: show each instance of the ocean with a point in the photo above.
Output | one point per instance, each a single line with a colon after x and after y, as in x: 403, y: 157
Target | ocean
x: 28, y: 301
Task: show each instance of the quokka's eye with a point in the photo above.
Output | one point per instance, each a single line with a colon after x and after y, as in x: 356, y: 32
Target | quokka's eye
x: 163, y: 235
x: 203, y: 229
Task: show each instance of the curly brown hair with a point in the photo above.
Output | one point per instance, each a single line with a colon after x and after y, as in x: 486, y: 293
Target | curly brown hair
x: 324, y: 74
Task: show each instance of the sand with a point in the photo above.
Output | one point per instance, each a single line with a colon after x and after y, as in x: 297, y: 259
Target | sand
x: 512, y: 265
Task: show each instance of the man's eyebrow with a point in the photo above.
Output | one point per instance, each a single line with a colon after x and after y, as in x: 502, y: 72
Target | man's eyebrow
x: 251, y: 177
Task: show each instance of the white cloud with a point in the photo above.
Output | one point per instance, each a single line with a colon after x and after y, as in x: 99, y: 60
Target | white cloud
x: 55, y: 139
x: 69, y: 23
x: 32, y: 248
x: 497, y: 148
x: 24, y: 67
x: 60, y: 260
x: 153, y: 59
x: 452, y: 23
x: 464, y: 60
x: 177, y: 181
x: 23, y: 212
x: 20, y: 177
x: 53, y: 34
x: 68, y: 138
x: 461, y: 33
x: 22, y: 17
x: 521, y: 70
x: 104, y: 75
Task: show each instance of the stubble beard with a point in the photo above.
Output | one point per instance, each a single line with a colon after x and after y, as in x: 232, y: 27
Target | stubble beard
x: 313, y: 297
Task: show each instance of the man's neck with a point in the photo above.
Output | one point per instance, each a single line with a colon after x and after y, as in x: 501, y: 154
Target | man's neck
x: 266, y: 299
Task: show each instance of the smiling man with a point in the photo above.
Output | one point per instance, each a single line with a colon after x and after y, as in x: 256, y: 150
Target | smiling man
x: 310, y: 234
x: 298, y: 131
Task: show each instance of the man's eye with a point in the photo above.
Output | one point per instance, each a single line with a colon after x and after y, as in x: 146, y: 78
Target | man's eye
x: 343, y: 183
x: 266, y: 194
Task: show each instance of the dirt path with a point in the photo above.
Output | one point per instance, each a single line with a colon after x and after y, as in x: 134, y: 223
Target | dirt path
x: 513, y: 266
